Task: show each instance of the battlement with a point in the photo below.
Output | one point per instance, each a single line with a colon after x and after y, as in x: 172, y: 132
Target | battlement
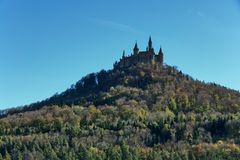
x: 147, y: 57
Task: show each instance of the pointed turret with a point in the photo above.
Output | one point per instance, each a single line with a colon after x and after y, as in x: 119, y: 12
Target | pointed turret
x: 150, y: 47
x: 160, y: 55
x: 135, y: 49
x: 150, y: 43
x: 123, y: 55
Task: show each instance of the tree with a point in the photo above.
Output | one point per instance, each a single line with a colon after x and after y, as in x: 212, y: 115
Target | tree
x: 173, y: 105
x: 126, y: 155
x: 7, y: 156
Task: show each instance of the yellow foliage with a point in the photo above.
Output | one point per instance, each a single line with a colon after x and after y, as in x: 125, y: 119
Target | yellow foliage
x: 93, y: 110
x: 220, y: 142
x: 169, y: 113
x: 142, y: 114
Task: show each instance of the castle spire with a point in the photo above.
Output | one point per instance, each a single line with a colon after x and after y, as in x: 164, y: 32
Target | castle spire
x: 150, y: 47
x: 135, y: 49
x: 150, y: 43
x: 160, y: 55
x: 123, y: 55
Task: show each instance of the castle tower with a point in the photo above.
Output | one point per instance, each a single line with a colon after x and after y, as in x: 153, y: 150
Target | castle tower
x: 135, y: 49
x: 150, y: 43
x: 123, y: 55
x: 150, y: 47
x: 160, y: 55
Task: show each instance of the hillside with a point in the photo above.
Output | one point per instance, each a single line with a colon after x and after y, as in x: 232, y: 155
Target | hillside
x: 141, y: 109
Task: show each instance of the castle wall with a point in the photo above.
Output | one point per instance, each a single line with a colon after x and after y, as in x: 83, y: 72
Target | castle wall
x: 141, y: 57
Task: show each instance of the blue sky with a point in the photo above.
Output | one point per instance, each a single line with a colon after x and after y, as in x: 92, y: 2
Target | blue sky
x: 45, y: 46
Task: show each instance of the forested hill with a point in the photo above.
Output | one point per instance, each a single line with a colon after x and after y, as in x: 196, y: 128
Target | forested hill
x: 151, y: 85
x: 134, y: 111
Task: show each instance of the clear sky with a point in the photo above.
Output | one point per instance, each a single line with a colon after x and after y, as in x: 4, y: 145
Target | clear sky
x: 47, y: 45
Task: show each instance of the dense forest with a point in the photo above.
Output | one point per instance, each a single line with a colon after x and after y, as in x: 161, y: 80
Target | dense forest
x: 138, y: 112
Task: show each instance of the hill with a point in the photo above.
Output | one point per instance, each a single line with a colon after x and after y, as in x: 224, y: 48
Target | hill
x: 141, y: 109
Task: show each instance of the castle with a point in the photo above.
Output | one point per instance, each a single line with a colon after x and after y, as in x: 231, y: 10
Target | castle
x: 146, y: 57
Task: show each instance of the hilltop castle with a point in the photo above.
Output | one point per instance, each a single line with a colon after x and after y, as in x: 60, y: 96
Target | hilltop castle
x: 146, y: 57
